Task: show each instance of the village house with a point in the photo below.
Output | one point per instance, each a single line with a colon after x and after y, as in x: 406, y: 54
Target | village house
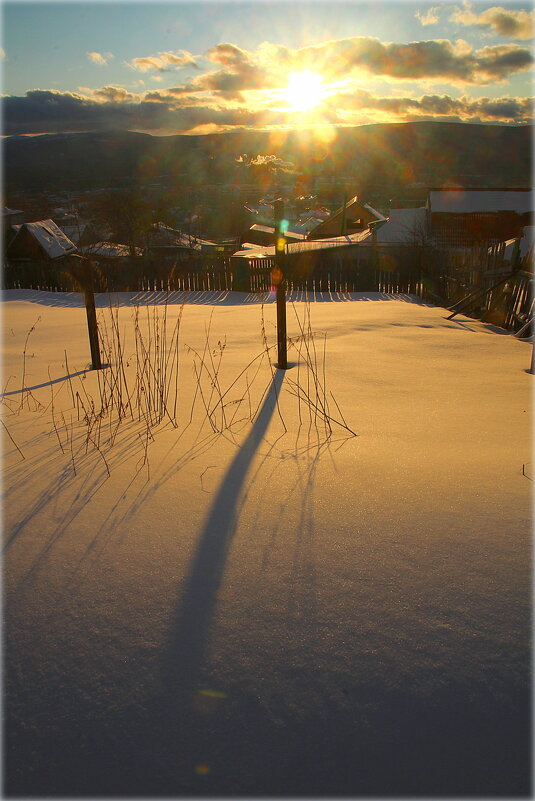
x: 170, y: 245
x: 351, y: 217
x: 36, y: 253
x: 465, y: 217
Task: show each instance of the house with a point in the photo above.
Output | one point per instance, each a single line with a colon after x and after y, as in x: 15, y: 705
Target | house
x: 352, y: 217
x: 39, y: 241
x: 169, y: 244
x: 115, y: 269
x: 37, y: 254
x: 465, y: 217
x: 110, y: 251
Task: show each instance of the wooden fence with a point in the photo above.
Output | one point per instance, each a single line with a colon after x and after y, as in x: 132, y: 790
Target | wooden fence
x: 358, y: 269
x: 508, y: 303
x: 355, y: 270
x: 442, y: 277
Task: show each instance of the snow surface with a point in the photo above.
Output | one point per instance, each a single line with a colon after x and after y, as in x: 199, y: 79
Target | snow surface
x: 266, y: 611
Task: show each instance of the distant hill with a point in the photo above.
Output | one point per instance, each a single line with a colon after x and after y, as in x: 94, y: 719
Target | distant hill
x: 432, y: 153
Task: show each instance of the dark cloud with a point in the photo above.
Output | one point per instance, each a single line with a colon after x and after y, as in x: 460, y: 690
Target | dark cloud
x: 50, y: 112
x: 41, y: 111
x: 511, y: 110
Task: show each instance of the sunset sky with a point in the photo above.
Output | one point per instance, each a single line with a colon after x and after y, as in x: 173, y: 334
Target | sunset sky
x: 174, y: 67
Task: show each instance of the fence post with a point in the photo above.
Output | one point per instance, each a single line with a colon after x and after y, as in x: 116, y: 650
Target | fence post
x: 280, y: 283
x: 92, y: 326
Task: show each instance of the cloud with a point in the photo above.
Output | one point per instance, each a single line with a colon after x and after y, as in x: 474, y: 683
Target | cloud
x: 228, y: 54
x: 503, y: 21
x: 429, y: 18
x: 45, y: 111
x: 114, y: 94
x: 99, y: 58
x: 164, y: 62
x: 434, y: 60
x: 112, y: 107
x: 504, y: 109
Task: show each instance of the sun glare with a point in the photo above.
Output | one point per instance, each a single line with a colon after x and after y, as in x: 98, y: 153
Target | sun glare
x: 304, y: 90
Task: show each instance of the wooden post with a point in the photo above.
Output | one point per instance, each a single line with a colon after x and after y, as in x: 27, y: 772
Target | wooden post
x: 280, y: 283
x: 92, y: 326
x: 343, y: 226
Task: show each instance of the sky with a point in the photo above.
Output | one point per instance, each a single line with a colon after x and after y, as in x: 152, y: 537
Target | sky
x: 179, y: 67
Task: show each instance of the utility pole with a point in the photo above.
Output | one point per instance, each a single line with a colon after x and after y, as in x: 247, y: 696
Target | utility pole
x: 277, y: 275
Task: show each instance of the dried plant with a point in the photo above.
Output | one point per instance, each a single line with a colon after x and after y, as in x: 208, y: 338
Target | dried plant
x: 139, y: 393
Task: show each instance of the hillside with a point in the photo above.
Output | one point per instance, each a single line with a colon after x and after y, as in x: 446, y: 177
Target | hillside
x: 396, y: 155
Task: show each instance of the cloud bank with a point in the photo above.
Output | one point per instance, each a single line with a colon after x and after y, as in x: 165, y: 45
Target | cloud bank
x: 114, y: 108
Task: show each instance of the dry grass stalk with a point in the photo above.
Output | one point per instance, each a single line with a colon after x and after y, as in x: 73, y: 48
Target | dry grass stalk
x: 12, y: 440
x: 144, y: 387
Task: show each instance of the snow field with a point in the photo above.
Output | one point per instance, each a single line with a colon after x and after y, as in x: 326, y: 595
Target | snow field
x: 262, y: 611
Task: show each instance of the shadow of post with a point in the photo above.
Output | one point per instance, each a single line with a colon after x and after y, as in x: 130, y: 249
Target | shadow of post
x: 189, y: 631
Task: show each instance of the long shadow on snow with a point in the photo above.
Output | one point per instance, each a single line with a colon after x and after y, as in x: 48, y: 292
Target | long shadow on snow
x: 189, y: 632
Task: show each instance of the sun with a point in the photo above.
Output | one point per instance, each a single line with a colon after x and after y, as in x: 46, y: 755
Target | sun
x: 304, y: 90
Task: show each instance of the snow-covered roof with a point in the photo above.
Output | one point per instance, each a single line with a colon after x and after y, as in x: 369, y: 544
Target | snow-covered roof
x: 251, y: 251
x: 265, y: 229
x: 332, y: 242
x: 468, y: 201
x: 269, y: 229
x: 403, y: 226
x: 172, y: 237
x: 51, y: 238
x: 110, y: 250
x: 260, y: 252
